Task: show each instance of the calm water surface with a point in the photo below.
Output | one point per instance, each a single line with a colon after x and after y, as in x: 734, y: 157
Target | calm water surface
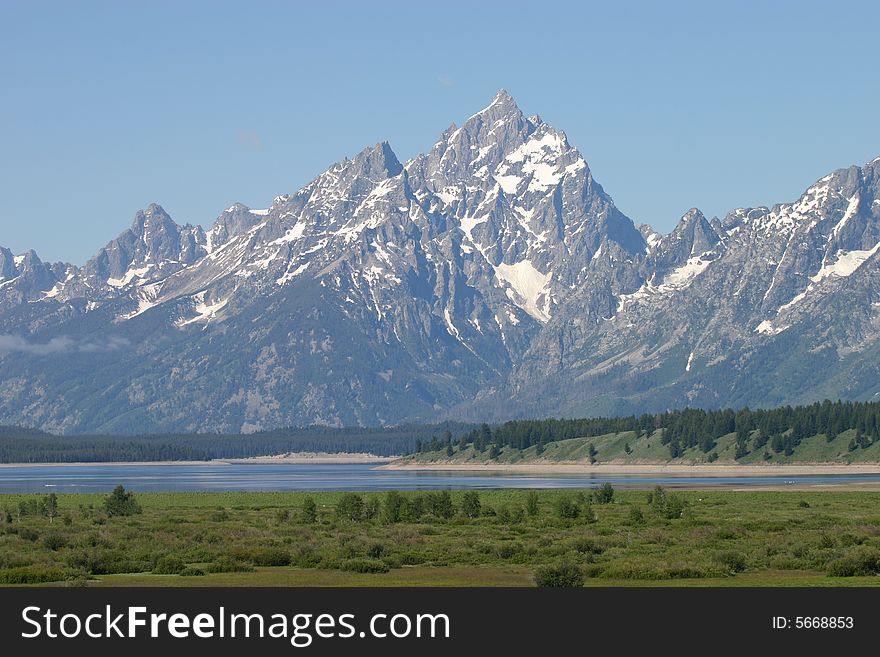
x: 354, y: 477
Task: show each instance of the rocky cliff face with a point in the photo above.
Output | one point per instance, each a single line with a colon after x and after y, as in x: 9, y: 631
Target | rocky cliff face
x: 491, y: 277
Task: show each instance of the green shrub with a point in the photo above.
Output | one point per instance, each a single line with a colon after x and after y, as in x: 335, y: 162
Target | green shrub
x: 532, y: 507
x: 270, y: 557
x: 586, y: 546
x: 27, y: 534
x: 507, y: 550
x: 605, y: 493
x: 350, y: 507
x: 392, y: 510
x: 309, y: 511
x: 470, y: 504
x: 439, y: 504
x: 32, y: 575
x: 856, y: 563
x: 227, y: 565
x: 372, y: 508
x: 168, y: 565
x: 567, y: 509
x: 376, y: 551
x: 636, y: 517
x: 364, y: 566
x: 121, y: 503
x: 192, y: 572
x: 730, y: 560
x: 54, y: 542
x: 566, y: 575
x: 412, y: 558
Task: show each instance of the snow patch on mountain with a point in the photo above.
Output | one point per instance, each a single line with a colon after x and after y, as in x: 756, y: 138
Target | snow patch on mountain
x: 678, y: 279
x: 529, y: 288
x: 130, y: 275
x: 766, y: 328
x: 205, y: 312
x: 851, y: 210
x: 846, y: 264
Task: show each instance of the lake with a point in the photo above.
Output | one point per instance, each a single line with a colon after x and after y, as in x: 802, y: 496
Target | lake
x: 346, y: 477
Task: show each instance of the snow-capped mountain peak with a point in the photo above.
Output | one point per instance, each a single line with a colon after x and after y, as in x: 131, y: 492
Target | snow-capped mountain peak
x: 489, y: 277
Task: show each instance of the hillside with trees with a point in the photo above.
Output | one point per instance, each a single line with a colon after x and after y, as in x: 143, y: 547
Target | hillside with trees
x: 822, y: 432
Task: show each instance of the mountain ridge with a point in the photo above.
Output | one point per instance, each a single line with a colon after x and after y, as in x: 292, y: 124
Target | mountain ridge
x: 490, y: 277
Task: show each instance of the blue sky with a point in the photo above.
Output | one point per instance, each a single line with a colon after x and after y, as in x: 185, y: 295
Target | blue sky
x: 107, y: 107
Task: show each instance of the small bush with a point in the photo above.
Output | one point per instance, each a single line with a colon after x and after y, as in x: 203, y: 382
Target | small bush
x: 563, y: 575
x: 76, y: 580
x: 32, y: 575
x: 350, y: 507
x: 532, y: 503
x: 372, y: 508
x: 857, y: 563
x: 730, y: 560
x: 364, y: 566
x: 605, y: 494
x: 192, y: 572
x: 169, y: 565
x: 227, y: 565
x: 567, y: 509
x: 28, y: 534
x: 54, y: 542
x: 376, y: 551
x: 121, y: 503
x: 270, y: 557
x: 309, y: 511
x: 507, y: 550
x: 586, y: 546
x: 636, y: 517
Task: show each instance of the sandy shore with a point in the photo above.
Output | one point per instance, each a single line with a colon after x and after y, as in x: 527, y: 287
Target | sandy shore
x: 701, y: 470
x: 315, y: 458
x: 300, y: 458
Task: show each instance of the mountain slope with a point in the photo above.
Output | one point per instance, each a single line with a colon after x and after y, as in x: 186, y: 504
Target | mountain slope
x: 490, y: 277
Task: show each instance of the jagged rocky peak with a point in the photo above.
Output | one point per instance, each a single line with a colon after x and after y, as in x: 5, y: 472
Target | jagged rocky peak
x: 696, y: 232
x: 152, y: 248
x: 15, y: 265
x: 494, y: 267
x: 152, y: 219
x: 7, y: 264
x: 234, y: 220
x: 483, y: 140
x: 25, y: 277
x: 380, y: 160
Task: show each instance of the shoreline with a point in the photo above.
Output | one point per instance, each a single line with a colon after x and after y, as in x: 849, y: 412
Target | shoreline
x: 674, y: 469
x: 547, y: 468
x: 299, y: 458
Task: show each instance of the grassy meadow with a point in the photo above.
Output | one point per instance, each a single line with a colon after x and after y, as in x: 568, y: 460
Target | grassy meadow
x: 457, y: 538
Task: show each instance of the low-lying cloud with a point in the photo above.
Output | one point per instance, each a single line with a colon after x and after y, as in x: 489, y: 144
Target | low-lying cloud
x: 60, y: 344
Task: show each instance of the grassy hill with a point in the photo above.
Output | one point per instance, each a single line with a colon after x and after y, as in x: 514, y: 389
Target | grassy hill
x: 625, y: 447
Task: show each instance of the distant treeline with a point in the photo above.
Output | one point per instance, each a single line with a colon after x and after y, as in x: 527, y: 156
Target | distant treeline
x: 780, y: 429
x: 784, y: 428
x: 20, y: 445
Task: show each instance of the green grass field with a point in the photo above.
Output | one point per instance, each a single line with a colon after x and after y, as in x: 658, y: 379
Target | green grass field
x: 685, y: 538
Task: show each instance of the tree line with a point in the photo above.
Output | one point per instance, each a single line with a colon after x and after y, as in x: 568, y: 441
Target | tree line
x: 22, y: 445
x: 780, y: 429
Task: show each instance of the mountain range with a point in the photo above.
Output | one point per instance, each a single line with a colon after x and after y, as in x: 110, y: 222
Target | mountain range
x: 489, y: 278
